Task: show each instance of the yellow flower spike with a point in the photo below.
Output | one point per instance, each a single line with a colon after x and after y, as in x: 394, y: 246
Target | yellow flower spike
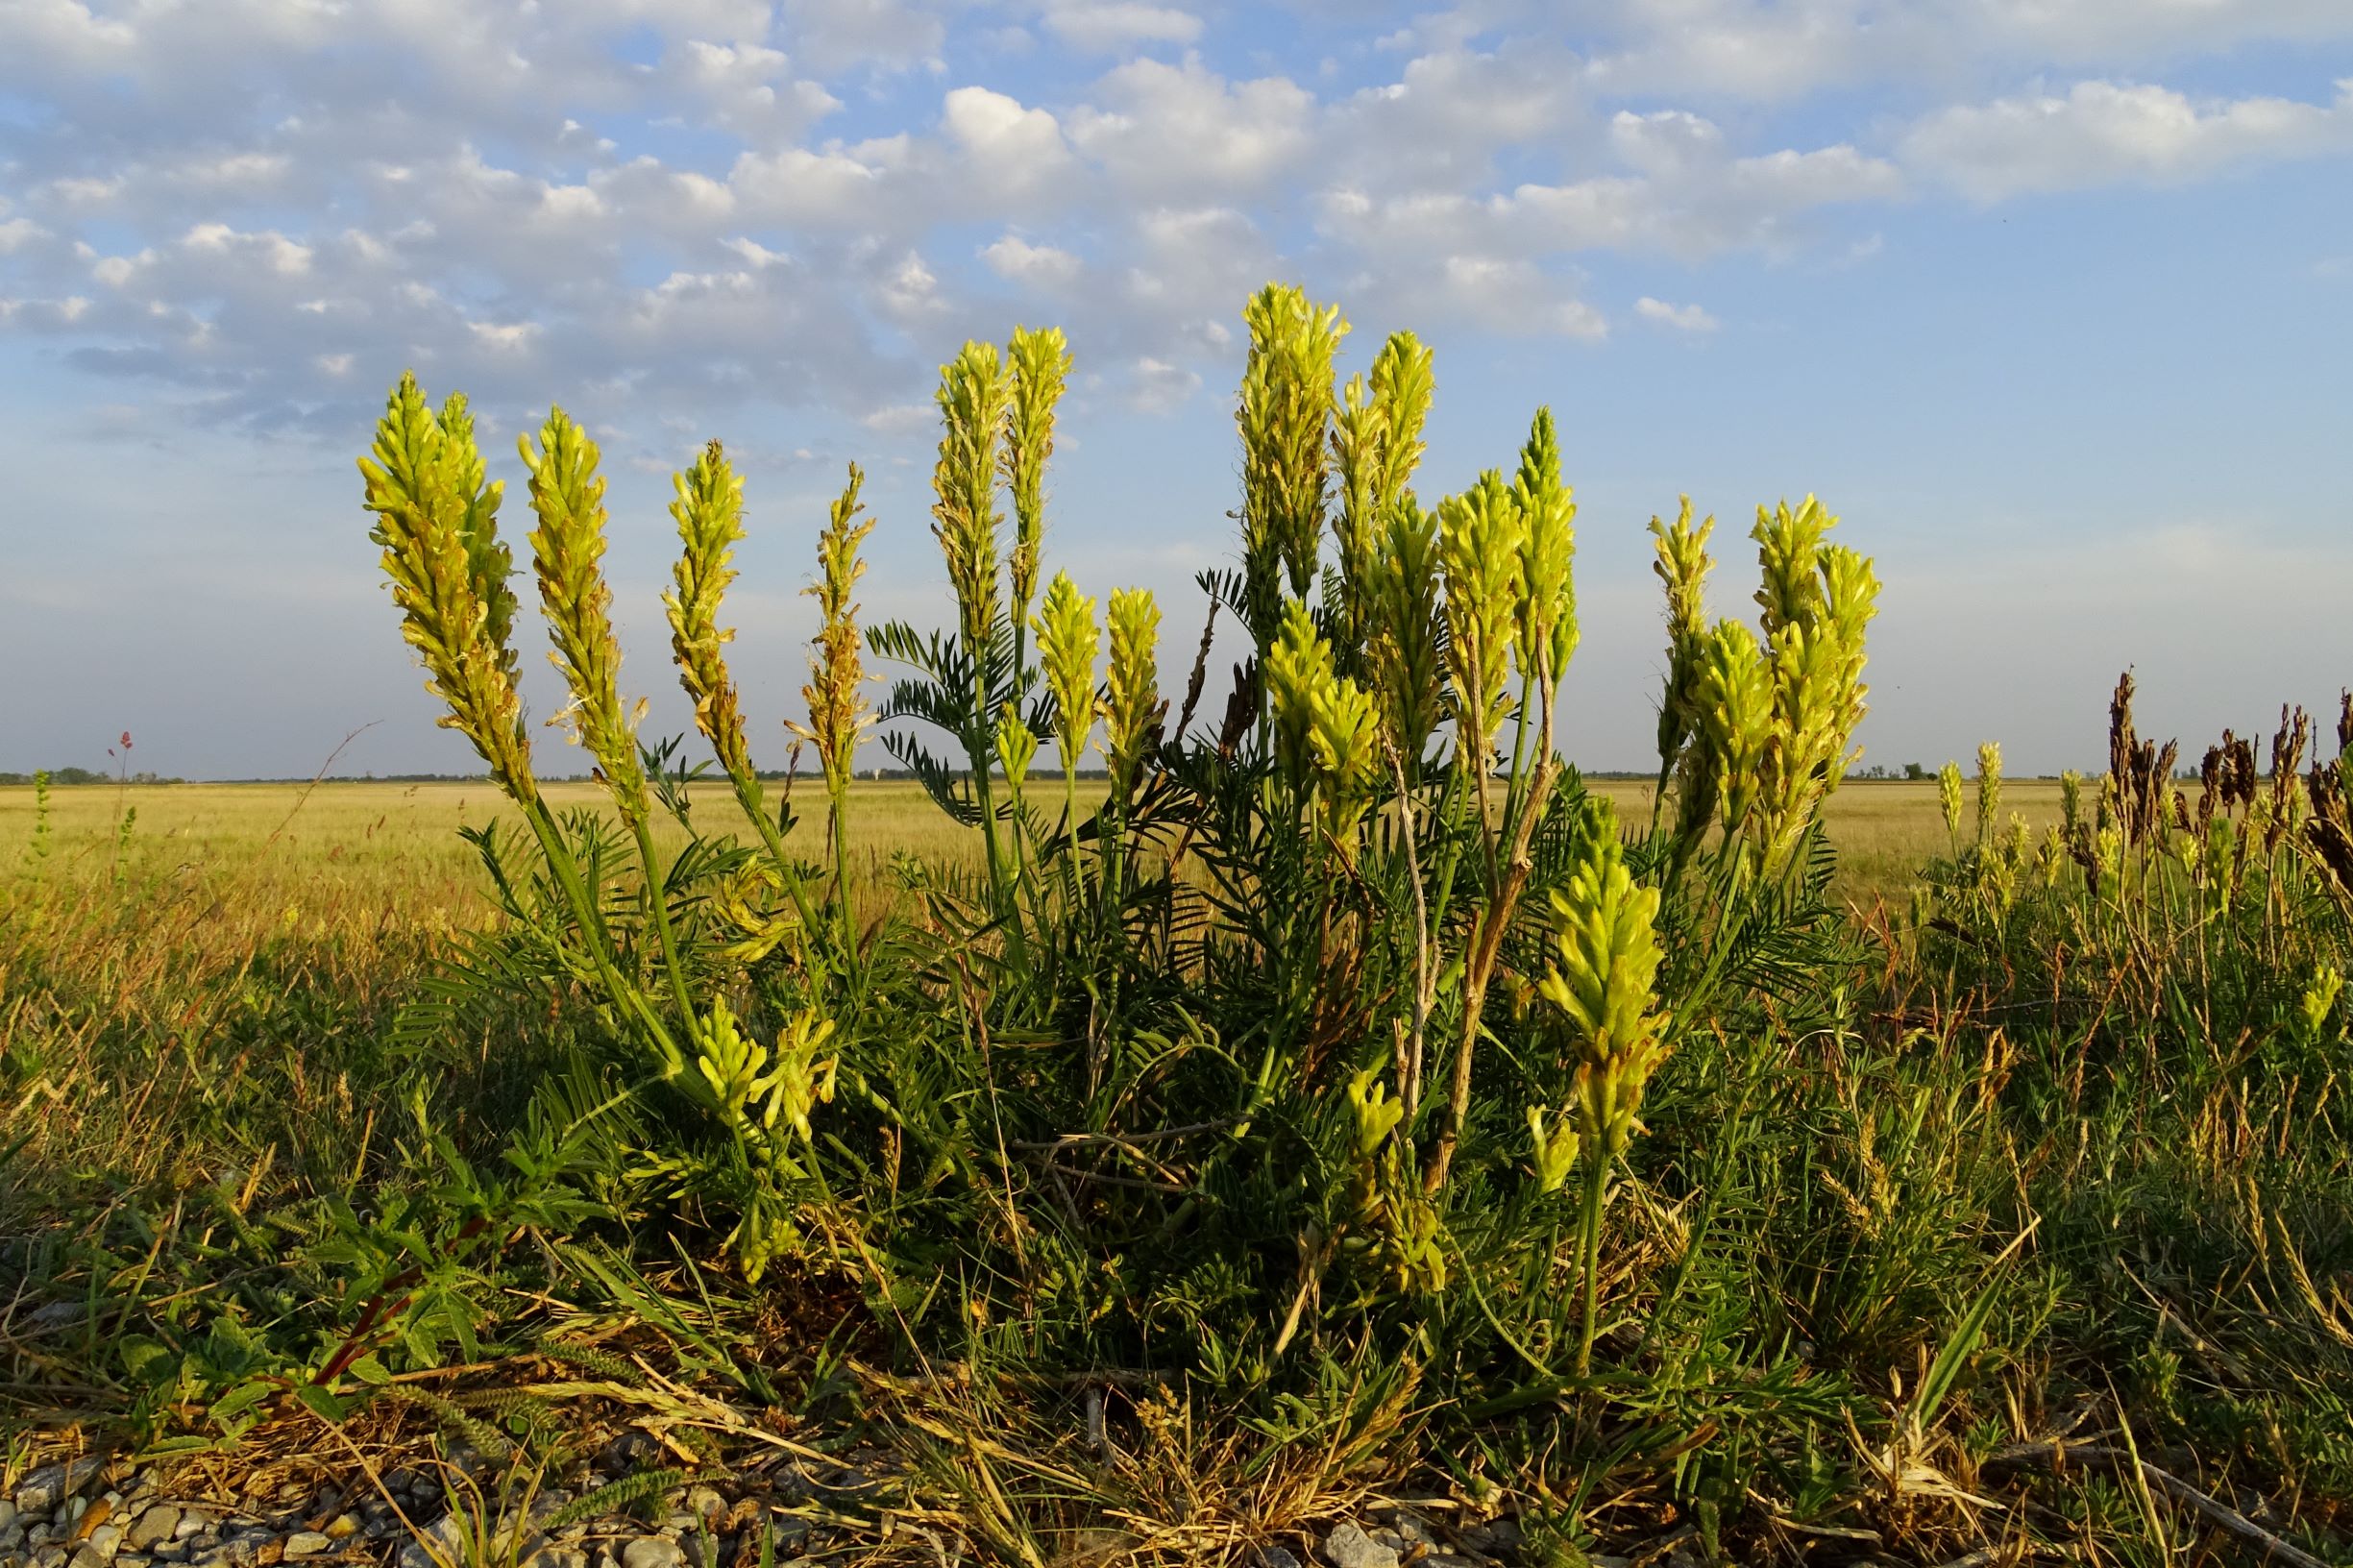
x: 1850, y: 601
x: 1067, y: 643
x: 1603, y: 979
x: 2051, y: 859
x: 436, y: 524
x: 1359, y: 430
x: 1040, y: 361
x: 730, y: 1062
x: 1284, y: 413
x: 1131, y: 707
x: 1377, y: 1116
x: 1403, y: 386
x: 1327, y: 730
x: 568, y: 555
x: 800, y: 1082
x: 1788, y: 548
x: 709, y: 510
x: 1605, y: 964
x: 2071, y: 800
x: 2319, y: 999
x: 1734, y: 720
x: 1545, y: 612
x: 1376, y: 445
x: 1344, y: 738
x: 1402, y: 630
x: 1554, y: 1149
x: 1989, y: 790
x: 975, y: 393
x: 1479, y: 534
x: 838, y: 712
x: 1682, y: 566
x: 1016, y: 746
x: 1948, y: 796
x: 1298, y: 667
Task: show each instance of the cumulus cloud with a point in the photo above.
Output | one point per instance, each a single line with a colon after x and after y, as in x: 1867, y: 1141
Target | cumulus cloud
x: 2101, y: 133
x: 261, y: 208
x: 1107, y: 26
x: 1684, y: 318
x: 1018, y: 260
x: 1178, y: 131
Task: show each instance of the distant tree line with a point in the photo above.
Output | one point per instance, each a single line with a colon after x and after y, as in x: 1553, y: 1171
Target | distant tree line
x: 87, y: 776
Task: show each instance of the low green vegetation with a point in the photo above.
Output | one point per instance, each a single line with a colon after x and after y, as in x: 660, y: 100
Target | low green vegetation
x: 1343, y: 1096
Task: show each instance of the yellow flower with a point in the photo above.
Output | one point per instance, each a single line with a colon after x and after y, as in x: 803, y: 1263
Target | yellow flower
x: 1067, y: 643
x: 1555, y: 1150
x: 1606, y: 958
x: 1479, y: 537
x: 1375, y: 1114
x: 1131, y: 707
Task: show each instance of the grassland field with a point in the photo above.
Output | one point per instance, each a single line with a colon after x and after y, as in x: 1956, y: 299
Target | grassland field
x: 389, y: 853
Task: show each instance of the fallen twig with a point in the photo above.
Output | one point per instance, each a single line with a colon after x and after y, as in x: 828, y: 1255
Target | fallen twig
x: 2212, y: 1508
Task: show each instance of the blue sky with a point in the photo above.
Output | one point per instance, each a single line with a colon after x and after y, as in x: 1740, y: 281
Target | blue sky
x: 2050, y: 300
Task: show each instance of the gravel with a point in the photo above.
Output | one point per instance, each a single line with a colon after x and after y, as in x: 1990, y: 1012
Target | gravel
x: 85, y: 1513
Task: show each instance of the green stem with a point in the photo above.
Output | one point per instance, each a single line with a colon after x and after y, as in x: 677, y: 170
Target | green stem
x: 754, y: 800
x: 837, y: 822
x: 1070, y: 823
x: 657, y: 899
x: 625, y: 994
x: 1589, y: 1239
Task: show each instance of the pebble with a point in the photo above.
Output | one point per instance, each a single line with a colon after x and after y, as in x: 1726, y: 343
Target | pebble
x: 53, y: 1484
x: 1275, y: 1556
x: 309, y: 1543
x: 161, y: 1523
x: 653, y: 1552
x: 1346, y: 1547
x: 106, y: 1541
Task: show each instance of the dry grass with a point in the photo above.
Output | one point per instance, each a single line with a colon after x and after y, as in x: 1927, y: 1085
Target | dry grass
x: 373, y: 853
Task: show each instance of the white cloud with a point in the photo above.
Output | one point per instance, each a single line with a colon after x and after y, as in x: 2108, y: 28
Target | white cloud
x: 1010, y: 151
x: 1018, y: 260
x: 2102, y: 133
x: 1172, y: 131
x: 1110, y: 26
x: 268, y: 203
x: 1782, y: 50
x: 748, y: 88
x: 270, y: 248
x: 1684, y: 318
x: 1156, y: 387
